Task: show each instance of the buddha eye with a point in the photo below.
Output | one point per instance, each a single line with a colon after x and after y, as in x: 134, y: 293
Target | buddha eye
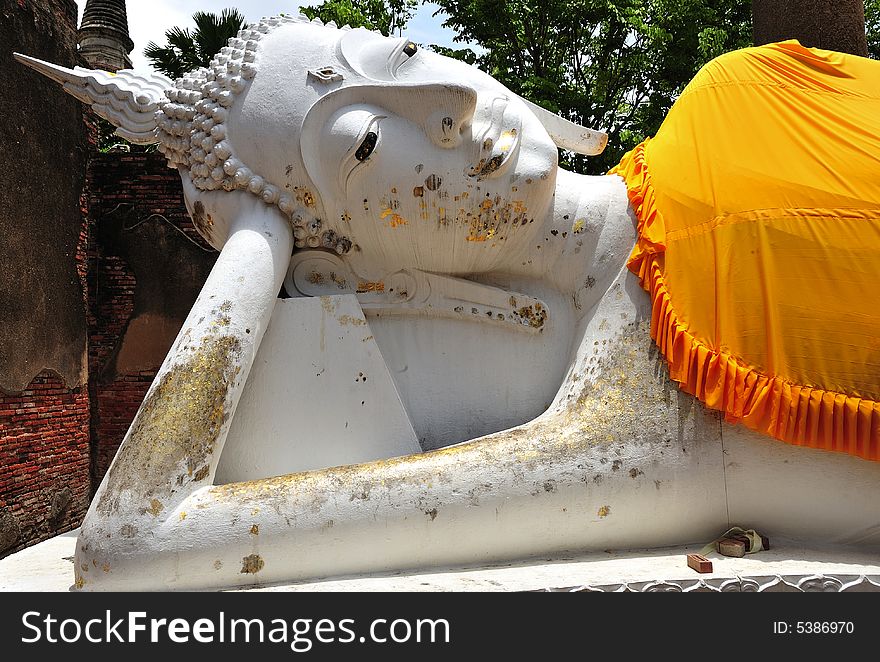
x: 410, y: 49
x: 367, y: 146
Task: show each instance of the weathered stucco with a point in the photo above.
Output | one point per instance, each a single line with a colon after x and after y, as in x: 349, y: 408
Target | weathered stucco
x: 43, y: 152
x: 133, y: 222
x: 178, y: 424
x: 44, y: 406
x: 147, y: 264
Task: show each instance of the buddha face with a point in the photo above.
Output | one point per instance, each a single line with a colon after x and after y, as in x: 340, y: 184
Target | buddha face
x: 416, y: 159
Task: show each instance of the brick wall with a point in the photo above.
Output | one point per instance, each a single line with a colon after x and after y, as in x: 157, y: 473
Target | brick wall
x: 147, y: 264
x: 101, y: 267
x: 114, y: 400
x: 44, y: 461
x: 140, y: 263
x: 45, y: 438
x: 44, y: 405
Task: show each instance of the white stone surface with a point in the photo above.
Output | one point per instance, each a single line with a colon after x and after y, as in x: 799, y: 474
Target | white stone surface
x: 322, y: 401
x: 801, y: 493
x: 48, y: 567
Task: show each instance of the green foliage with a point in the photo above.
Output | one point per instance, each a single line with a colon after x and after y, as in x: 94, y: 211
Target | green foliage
x: 190, y: 49
x: 108, y: 141
x: 872, y: 27
x: 612, y: 64
x: 463, y: 54
x: 386, y: 16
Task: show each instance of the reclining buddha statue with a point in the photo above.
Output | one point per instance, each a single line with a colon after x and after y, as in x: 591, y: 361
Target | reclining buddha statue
x: 476, y: 355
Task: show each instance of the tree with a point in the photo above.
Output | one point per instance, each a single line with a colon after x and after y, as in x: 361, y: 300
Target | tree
x: 837, y: 25
x: 872, y: 27
x: 616, y: 65
x: 386, y: 16
x: 190, y: 49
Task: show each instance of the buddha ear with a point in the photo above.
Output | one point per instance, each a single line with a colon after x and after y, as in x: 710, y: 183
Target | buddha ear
x: 568, y: 135
x: 127, y: 99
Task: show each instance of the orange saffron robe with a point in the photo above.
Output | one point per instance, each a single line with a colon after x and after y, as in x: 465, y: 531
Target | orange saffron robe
x: 758, y: 206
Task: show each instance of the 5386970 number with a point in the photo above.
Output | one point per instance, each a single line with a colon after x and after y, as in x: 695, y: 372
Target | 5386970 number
x: 813, y: 627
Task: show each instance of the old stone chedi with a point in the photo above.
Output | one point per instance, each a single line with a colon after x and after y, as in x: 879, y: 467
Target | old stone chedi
x: 103, y: 35
x: 463, y: 370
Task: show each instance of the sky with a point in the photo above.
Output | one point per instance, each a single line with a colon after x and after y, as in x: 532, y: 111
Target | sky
x: 148, y: 21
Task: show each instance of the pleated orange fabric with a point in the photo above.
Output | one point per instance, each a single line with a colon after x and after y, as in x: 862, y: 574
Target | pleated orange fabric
x: 758, y: 206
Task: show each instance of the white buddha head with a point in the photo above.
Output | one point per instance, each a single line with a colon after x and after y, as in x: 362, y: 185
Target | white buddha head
x: 375, y: 149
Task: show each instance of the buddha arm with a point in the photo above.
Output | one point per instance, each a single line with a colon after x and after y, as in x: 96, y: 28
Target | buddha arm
x: 175, y: 440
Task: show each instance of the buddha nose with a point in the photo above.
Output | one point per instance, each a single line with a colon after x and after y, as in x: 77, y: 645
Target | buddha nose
x: 443, y: 110
x: 445, y: 125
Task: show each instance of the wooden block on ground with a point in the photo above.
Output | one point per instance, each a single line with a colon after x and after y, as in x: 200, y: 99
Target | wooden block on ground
x: 699, y: 563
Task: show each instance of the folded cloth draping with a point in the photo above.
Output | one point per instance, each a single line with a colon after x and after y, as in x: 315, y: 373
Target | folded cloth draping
x: 758, y: 207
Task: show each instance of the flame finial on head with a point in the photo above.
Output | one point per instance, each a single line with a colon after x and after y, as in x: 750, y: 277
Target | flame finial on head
x: 127, y: 99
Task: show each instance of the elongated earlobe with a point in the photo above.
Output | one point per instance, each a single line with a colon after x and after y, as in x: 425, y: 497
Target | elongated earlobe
x: 568, y: 135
